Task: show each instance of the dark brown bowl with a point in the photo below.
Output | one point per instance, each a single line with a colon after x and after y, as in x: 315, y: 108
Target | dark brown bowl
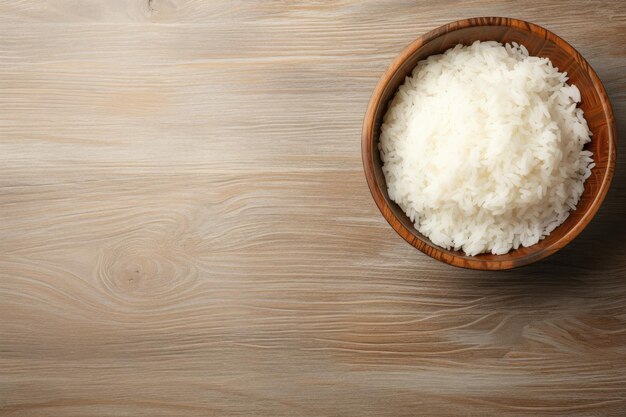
x: 539, y: 42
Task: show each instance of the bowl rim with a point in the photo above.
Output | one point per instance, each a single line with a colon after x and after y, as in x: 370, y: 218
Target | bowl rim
x: 423, y: 244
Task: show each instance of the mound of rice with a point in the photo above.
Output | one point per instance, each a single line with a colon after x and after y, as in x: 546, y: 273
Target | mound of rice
x: 483, y: 148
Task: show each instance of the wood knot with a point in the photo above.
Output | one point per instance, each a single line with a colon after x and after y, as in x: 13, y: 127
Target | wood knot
x: 144, y: 269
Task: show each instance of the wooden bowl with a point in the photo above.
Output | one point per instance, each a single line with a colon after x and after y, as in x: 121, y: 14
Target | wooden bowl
x: 539, y: 42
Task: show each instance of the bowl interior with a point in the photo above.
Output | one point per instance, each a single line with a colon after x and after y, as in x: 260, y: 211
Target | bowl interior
x: 594, y: 104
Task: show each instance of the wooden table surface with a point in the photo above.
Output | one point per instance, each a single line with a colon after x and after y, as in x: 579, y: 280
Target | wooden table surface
x: 185, y: 228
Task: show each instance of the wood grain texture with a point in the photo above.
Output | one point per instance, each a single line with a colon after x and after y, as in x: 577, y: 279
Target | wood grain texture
x: 539, y: 42
x: 185, y: 227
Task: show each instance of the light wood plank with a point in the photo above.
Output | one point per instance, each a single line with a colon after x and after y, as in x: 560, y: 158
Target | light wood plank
x: 185, y: 228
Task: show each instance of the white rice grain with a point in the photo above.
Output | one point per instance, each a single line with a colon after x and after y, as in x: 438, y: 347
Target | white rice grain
x: 482, y: 147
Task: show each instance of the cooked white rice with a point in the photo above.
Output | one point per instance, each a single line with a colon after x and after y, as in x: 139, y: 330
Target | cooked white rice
x: 483, y: 148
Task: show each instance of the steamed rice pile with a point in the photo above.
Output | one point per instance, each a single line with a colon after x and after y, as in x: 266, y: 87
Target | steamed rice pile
x: 483, y: 148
